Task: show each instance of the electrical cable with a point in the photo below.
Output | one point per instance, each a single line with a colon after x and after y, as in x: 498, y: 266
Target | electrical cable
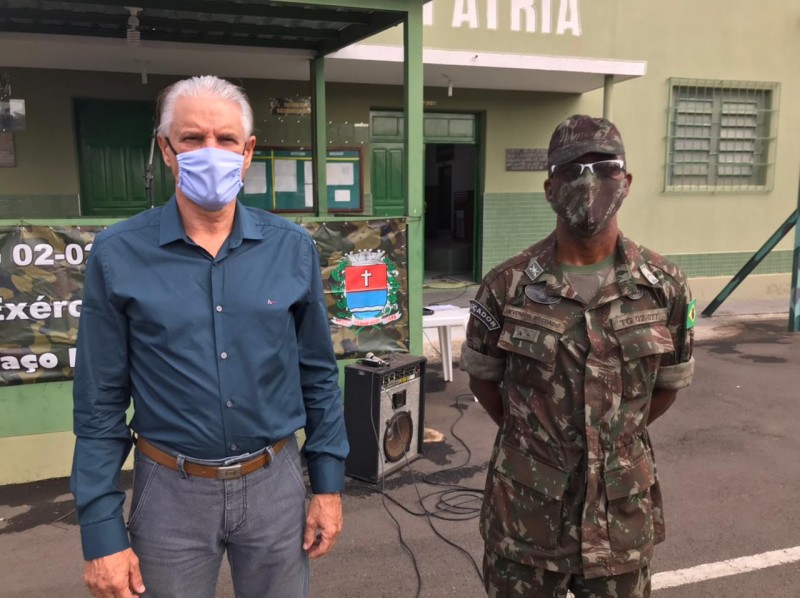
x: 386, y: 508
x: 452, y: 504
x: 430, y: 343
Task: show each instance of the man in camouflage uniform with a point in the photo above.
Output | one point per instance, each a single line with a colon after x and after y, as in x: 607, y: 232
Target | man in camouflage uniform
x: 574, y: 346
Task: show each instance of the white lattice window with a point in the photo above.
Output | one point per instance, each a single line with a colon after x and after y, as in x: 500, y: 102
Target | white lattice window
x: 720, y: 135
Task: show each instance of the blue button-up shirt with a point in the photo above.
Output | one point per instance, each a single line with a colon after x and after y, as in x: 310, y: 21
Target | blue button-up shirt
x: 222, y: 355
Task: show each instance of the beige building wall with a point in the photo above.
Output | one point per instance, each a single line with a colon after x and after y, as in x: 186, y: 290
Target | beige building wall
x: 712, y: 40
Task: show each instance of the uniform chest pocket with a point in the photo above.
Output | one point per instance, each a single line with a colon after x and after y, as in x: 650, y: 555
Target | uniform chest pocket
x: 531, y: 353
x: 642, y: 346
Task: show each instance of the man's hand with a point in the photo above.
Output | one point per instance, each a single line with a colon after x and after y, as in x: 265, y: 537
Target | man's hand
x: 323, y: 524
x: 661, y: 400
x: 489, y: 396
x: 114, y: 576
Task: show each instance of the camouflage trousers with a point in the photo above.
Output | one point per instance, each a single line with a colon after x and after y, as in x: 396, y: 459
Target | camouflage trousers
x: 508, y: 579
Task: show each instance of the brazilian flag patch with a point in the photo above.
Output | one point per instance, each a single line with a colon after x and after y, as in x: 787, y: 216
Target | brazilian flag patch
x: 691, y: 313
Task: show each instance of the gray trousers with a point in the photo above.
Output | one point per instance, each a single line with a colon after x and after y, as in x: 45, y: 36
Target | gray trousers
x: 180, y: 527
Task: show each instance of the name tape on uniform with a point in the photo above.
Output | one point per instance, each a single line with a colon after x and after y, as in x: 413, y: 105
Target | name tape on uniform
x: 651, y: 316
x: 534, y: 318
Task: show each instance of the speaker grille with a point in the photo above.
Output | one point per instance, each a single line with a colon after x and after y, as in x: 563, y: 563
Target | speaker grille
x: 398, y: 435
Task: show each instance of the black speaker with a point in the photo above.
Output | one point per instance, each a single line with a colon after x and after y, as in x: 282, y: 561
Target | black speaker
x: 384, y: 411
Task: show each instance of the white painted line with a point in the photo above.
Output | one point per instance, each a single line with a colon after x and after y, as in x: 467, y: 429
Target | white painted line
x: 671, y: 579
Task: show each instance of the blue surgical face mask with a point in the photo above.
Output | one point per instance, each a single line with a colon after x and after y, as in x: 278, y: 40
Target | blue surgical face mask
x: 210, y: 177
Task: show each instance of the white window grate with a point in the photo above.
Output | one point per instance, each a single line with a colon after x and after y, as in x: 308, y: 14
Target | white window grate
x: 720, y: 135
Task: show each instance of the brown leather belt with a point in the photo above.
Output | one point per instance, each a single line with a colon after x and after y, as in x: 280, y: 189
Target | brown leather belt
x: 223, y: 472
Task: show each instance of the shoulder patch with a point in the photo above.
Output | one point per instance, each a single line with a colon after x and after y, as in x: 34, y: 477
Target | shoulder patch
x: 480, y: 313
x: 691, y: 313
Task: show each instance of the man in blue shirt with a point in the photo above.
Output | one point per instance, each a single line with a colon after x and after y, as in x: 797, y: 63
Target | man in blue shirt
x: 212, y: 317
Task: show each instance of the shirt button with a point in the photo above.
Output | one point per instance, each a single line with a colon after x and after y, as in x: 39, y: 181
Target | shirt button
x: 229, y: 403
x: 234, y: 447
x: 224, y: 355
x: 218, y: 308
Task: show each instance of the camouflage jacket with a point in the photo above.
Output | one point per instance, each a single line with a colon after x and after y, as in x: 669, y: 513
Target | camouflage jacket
x: 572, y: 483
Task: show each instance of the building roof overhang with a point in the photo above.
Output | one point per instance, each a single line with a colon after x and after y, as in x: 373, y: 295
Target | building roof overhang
x: 268, y: 39
x: 357, y: 63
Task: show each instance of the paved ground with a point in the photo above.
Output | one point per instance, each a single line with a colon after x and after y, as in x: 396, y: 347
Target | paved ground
x: 728, y: 456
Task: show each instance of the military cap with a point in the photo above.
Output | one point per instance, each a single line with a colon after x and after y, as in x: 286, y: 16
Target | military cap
x: 580, y: 134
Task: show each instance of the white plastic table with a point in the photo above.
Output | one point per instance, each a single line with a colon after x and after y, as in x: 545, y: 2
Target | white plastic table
x: 443, y: 321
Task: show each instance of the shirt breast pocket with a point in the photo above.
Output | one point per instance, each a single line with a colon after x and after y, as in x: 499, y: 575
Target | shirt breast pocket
x: 532, y: 354
x: 642, y: 348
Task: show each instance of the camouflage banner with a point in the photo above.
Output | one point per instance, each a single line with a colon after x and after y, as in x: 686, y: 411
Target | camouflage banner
x: 364, y: 273
x: 41, y: 286
x: 365, y: 277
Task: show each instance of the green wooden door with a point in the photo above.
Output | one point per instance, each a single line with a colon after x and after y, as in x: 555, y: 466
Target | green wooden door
x: 387, y: 132
x: 387, y: 179
x: 113, y: 149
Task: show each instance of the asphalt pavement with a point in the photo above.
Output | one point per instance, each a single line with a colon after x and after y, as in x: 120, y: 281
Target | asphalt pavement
x: 728, y: 456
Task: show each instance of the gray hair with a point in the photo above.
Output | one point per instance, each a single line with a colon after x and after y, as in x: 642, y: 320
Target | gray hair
x: 206, y: 86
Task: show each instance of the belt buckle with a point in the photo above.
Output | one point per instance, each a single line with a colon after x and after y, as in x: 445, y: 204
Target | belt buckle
x: 229, y: 472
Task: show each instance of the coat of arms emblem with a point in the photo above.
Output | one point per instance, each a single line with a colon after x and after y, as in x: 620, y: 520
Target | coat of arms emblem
x: 365, y: 285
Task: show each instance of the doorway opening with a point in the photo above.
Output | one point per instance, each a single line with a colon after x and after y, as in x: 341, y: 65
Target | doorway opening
x: 450, y: 182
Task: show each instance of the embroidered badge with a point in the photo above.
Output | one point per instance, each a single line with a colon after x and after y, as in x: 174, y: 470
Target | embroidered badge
x: 538, y: 294
x: 482, y: 314
x: 533, y: 270
x: 651, y: 278
x: 526, y: 334
x: 365, y: 286
x: 691, y: 313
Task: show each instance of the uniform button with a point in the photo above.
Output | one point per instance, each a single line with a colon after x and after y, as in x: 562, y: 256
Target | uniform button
x: 234, y: 447
x: 229, y: 403
x: 224, y: 355
x: 218, y: 308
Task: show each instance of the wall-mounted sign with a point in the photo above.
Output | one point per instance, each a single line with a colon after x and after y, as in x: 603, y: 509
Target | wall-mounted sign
x: 523, y: 159
x: 12, y: 115
x: 557, y: 17
x: 289, y: 106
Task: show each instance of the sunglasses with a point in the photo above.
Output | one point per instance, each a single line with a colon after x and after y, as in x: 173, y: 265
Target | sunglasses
x: 605, y: 169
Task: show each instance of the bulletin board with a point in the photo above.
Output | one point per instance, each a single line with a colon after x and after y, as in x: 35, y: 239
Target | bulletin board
x: 281, y: 180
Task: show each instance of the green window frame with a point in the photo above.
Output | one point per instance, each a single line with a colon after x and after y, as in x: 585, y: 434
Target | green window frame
x: 720, y: 136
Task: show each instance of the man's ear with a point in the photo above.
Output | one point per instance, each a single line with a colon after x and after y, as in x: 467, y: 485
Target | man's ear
x: 628, y: 181
x: 166, y: 152
x: 547, y: 190
x: 249, y: 147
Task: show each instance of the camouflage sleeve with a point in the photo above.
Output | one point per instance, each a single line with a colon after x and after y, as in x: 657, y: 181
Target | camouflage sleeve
x: 677, y: 368
x: 480, y: 356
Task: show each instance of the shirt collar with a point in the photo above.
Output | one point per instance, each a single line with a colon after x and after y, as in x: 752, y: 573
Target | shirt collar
x: 171, y: 228
x: 631, y: 268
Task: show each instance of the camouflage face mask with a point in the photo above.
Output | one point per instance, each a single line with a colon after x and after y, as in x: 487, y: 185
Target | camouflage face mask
x: 587, y: 204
